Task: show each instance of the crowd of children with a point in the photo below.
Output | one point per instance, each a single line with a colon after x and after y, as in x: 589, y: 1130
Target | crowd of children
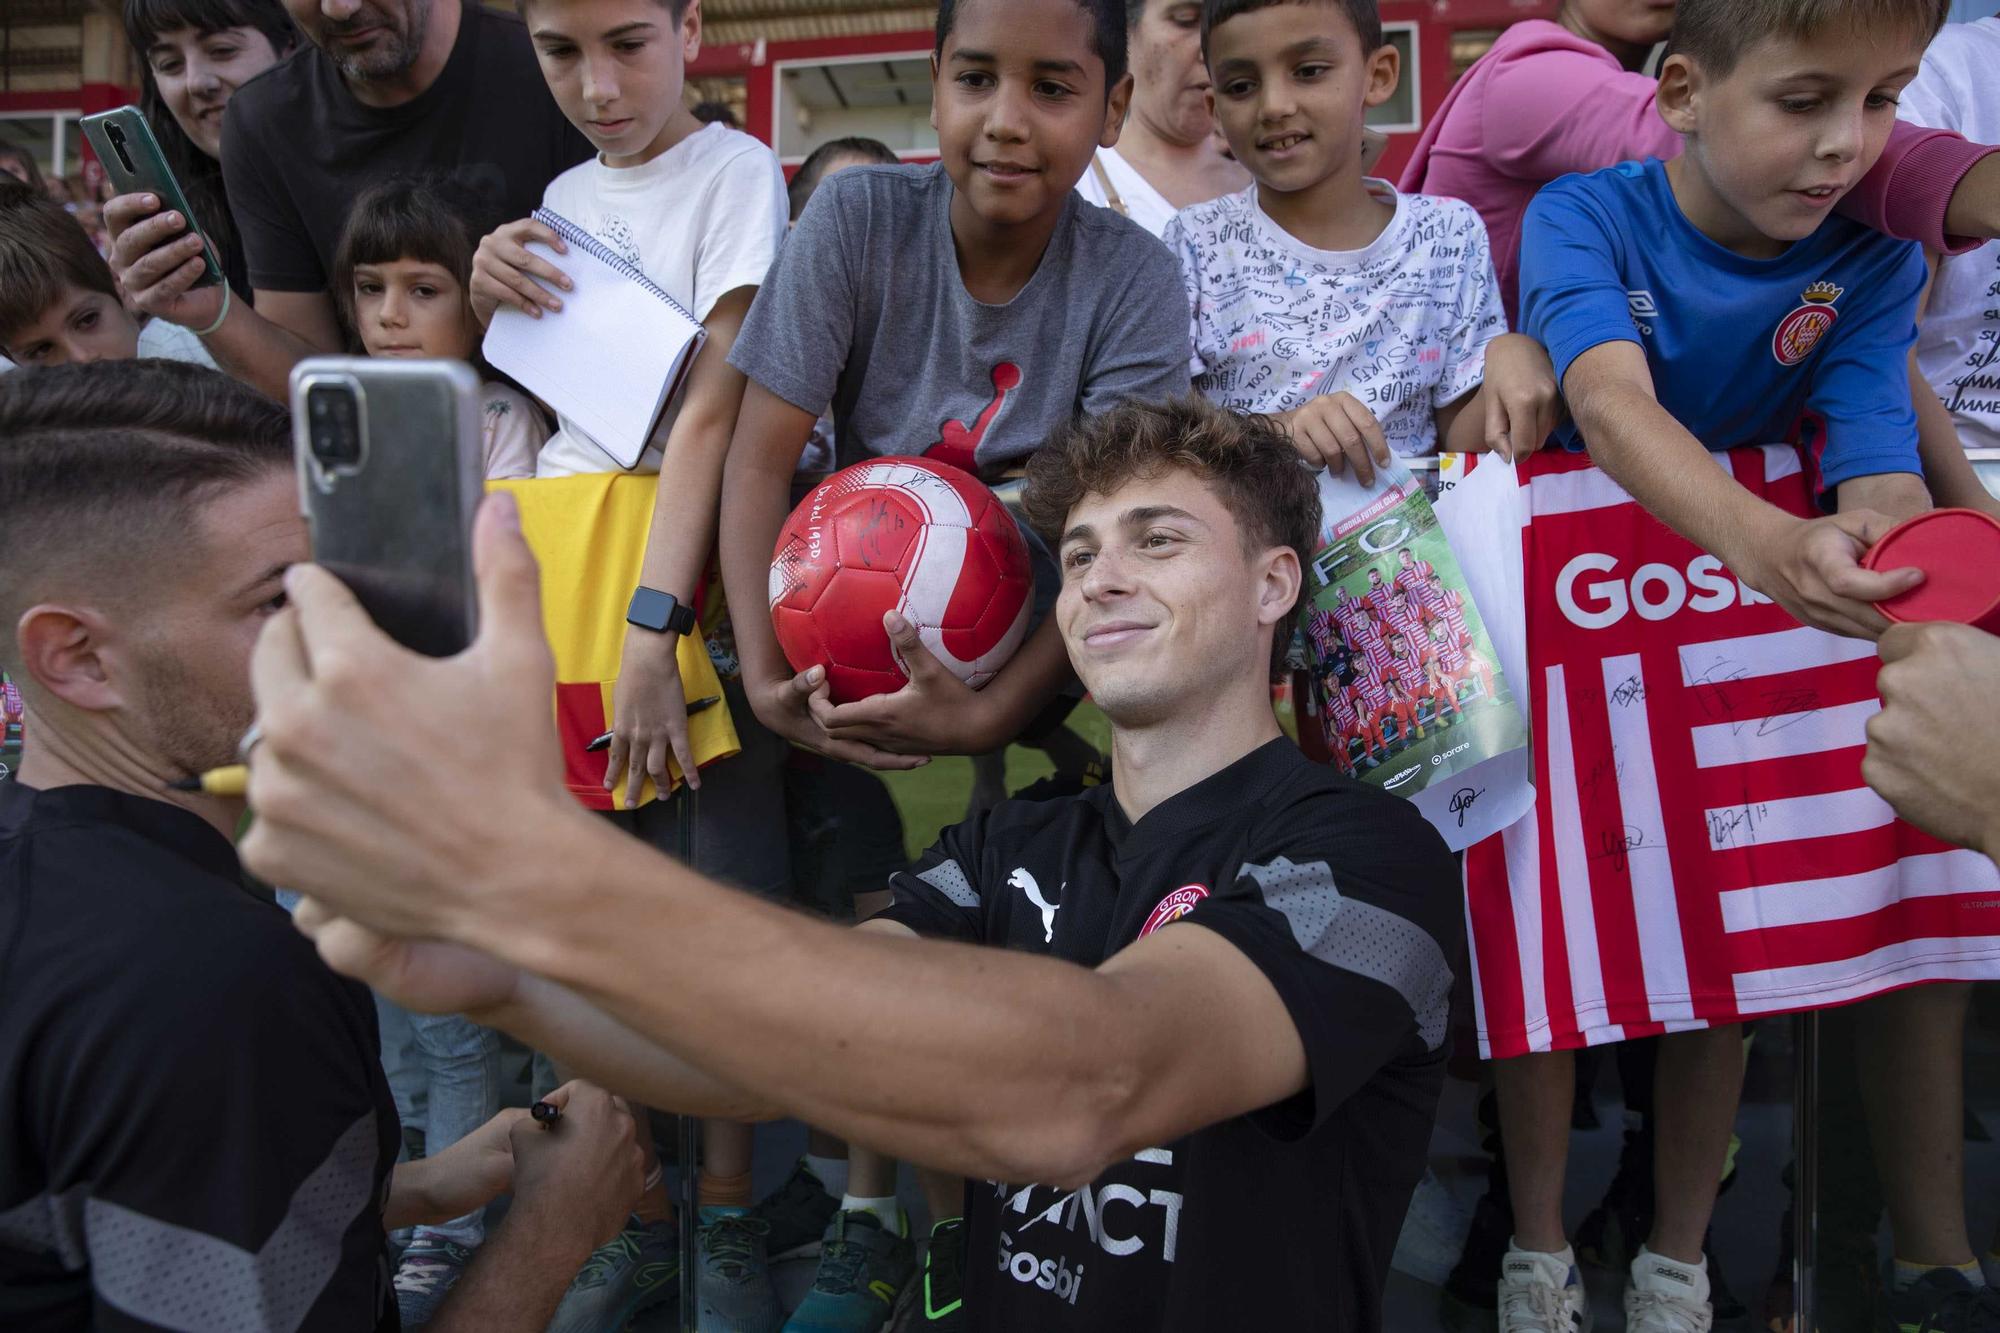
x: 1673, y: 269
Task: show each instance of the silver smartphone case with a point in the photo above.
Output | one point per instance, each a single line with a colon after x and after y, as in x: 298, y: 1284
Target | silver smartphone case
x: 396, y: 524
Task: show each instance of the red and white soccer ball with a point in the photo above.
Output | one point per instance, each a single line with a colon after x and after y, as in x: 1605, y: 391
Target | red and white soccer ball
x: 899, y: 534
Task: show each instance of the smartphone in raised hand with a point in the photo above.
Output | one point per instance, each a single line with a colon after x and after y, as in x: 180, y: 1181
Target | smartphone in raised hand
x: 131, y: 157
x: 390, y: 471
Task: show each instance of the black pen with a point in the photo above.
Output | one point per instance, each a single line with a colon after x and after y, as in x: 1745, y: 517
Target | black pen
x: 545, y: 1113
x: 603, y: 743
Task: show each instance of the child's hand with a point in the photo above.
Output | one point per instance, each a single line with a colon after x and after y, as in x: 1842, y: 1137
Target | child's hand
x: 1523, y: 401
x: 935, y: 713
x: 1335, y: 430
x: 1812, y: 568
x: 156, y: 259
x: 648, y: 719
x: 504, y: 271
x: 787, y: 706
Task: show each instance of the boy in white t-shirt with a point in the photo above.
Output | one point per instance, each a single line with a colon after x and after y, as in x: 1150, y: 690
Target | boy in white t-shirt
x: 1364, y: 319
x: 1958, y: 345
x: 701, y: 210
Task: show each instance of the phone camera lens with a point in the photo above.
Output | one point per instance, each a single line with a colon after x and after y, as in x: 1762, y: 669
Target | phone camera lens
x: 117, y: 137
x: 333, y: 424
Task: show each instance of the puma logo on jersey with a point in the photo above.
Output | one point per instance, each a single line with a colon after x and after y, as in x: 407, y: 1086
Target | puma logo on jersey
x: 1032, y: 891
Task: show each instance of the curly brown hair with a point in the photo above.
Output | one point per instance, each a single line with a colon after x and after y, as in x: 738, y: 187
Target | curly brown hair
x: 1248, y: 459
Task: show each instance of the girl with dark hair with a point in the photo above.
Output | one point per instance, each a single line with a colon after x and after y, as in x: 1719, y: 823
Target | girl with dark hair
x: 401, y: 280
x: 195, y: 54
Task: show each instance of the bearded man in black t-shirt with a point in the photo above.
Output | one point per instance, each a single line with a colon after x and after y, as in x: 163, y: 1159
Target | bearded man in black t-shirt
x: 1184, y: 1034
x: 195, y: 1129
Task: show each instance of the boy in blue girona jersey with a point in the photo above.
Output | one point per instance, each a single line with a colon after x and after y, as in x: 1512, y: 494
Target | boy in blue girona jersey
x: 1692, y: 308
x: 1721, y: 287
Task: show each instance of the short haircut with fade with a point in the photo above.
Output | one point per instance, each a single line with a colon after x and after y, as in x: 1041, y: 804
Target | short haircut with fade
x: 42, y: 252
x: 1248, y: 459
x: 813, y: 170
x: 1715, y: 33
x: 1107, y: 35
x: 1365, y: 15
x: 102, y: 465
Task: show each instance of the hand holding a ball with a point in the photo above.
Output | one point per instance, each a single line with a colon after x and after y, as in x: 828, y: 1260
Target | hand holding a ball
x: 936, y: 713
x: 899, y: 588
x: 790, y: 707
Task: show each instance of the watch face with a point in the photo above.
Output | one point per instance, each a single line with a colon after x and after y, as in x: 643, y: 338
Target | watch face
x: 658, y: 611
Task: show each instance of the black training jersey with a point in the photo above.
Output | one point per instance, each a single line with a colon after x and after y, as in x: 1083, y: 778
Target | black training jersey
x: 1350, y: 904
x: 195, y: 1132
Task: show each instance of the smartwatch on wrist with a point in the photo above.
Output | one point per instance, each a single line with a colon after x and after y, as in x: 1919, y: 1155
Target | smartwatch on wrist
x: 660, y: 612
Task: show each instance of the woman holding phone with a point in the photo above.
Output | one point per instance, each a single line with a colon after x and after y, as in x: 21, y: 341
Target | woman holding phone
x: 195, y: 55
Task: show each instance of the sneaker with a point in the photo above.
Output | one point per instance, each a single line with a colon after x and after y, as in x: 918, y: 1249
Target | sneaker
x: 1944, y: 1301
x: 430, y: 1267
x: 635, y: 1270
x: 734, y: 1282
x: 862, y: 1267
x: 1541, y: 1293
x: 1433, y: 1235
x: 1667, y: 1297
x: 795, y: 1214
x: 939, y: 1306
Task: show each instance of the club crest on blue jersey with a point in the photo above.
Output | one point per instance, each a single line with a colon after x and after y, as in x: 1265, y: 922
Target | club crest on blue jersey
x: 1799, y: 332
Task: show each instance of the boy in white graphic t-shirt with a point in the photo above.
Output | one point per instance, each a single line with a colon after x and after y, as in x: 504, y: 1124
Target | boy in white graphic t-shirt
x: 1363, y: 319
x: 1958, y: 345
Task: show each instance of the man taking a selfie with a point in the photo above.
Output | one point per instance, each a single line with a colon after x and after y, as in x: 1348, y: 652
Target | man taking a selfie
x: 1174, y: 1030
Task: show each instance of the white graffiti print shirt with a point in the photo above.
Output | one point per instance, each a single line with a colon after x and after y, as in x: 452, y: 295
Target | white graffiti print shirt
x: 1402, y: 324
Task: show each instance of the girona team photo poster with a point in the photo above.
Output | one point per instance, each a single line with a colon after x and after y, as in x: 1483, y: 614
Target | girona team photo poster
x: 1406, y: 687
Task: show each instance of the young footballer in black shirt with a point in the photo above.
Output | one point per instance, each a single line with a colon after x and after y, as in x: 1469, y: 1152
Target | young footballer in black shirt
x: 195, y: 1130
x: 1184, y: 1034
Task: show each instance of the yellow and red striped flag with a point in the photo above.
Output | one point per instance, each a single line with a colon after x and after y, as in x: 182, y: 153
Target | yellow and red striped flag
x: 589, y: 533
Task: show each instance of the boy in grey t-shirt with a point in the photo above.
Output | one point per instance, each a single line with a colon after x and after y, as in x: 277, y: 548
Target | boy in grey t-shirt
x: 867, y: 309
x: 960, y: 311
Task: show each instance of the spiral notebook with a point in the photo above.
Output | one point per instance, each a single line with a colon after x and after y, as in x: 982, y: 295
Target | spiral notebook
x: 616, y: 355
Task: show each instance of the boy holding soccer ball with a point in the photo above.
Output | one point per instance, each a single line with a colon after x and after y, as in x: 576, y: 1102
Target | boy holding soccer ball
x: 958, y: 311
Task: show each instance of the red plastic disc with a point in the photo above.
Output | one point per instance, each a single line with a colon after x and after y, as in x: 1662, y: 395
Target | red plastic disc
x: 1959, y: 552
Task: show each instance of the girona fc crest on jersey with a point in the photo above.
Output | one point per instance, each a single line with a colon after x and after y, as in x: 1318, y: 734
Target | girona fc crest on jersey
x: 1799, y: 332
x: 1173, y: 907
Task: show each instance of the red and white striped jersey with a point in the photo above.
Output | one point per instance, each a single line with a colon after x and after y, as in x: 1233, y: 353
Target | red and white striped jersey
x: 1369, y: 691
x: 1450, y: 654
x: 1377, y: 599
x: 1323, y: 631
x: 1448, y: 605
x: 1353, y: 615
x: 1374, y: 649
x: 1340, y: 707
x: 1702, y: 848
x: 1411, y: 578
x: 1406, y: 619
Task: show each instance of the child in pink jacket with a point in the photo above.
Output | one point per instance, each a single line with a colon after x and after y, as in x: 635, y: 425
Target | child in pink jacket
x: 1548, y: 100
